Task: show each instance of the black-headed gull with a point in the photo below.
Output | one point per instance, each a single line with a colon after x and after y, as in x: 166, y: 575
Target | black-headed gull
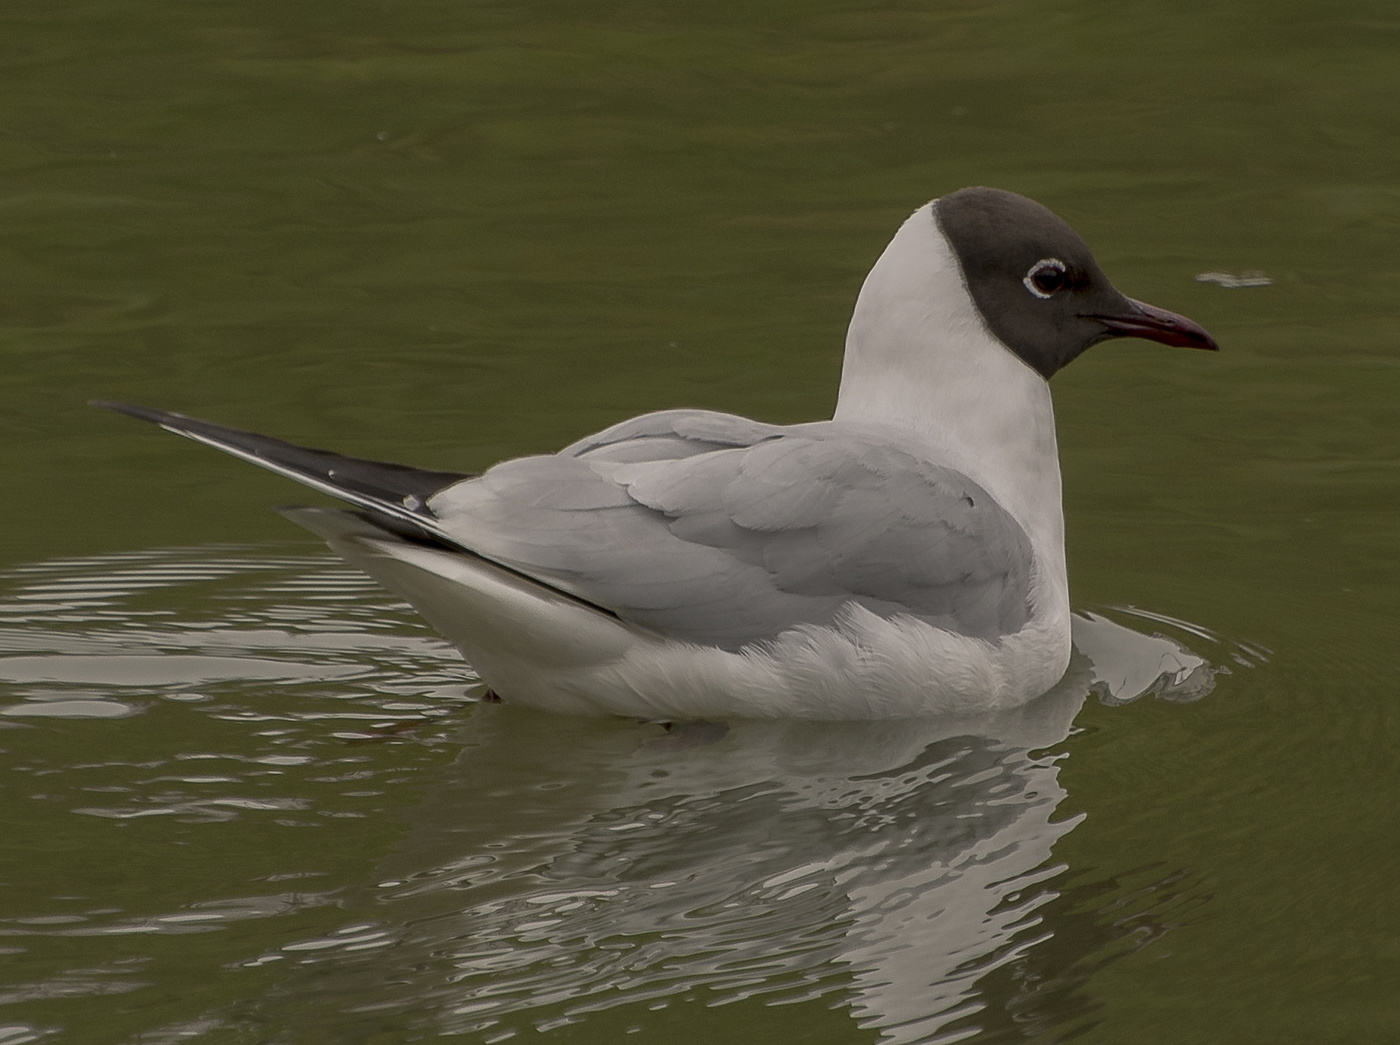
x: 904, y: 558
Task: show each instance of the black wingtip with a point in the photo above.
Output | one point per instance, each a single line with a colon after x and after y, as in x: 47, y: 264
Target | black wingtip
x: 396, y: 490
x: 144, y: 413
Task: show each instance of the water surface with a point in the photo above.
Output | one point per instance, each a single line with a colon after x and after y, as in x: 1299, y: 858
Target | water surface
x: 250, y: 798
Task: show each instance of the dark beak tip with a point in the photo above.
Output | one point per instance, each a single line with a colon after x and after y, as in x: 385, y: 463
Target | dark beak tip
x: 1158, y: 324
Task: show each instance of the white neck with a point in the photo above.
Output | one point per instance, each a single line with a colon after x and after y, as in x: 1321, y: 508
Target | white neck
x: 918, y: 355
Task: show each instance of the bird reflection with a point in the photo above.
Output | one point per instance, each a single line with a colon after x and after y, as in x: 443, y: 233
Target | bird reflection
x: 558, y: 871
x: 896, y: 867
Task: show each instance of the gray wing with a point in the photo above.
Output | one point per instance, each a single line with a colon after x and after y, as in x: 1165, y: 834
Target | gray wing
x: 725, y: 531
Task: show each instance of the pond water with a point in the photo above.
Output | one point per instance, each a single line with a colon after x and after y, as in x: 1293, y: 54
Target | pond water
x: 249, y: 797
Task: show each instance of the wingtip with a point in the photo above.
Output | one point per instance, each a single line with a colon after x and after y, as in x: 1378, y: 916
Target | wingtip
x: 145, y: 413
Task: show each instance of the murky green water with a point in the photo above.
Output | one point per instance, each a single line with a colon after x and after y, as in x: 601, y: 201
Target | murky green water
x: 249, y: 798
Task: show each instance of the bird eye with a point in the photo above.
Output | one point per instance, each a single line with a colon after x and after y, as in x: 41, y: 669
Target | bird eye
x: 1045, y: 277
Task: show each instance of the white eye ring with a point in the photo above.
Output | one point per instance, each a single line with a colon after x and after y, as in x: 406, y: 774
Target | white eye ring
x: 1040, y: 266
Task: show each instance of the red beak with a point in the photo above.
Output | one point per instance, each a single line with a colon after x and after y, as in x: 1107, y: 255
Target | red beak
x: 1157, y: 324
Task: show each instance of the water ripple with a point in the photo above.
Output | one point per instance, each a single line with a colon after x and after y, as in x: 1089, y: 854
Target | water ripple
x: 555, y: 870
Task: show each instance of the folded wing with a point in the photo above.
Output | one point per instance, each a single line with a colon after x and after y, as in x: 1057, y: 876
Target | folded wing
x: 702, y: 526
x: 724, y: 531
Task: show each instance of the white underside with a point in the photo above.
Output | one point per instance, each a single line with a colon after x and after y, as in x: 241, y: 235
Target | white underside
x: 541, y: 649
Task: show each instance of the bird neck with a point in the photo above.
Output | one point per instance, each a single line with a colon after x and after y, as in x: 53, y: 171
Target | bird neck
x: 919, y: 356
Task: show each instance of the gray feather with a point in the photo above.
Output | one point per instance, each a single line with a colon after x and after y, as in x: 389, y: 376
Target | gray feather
x: 725, y: 531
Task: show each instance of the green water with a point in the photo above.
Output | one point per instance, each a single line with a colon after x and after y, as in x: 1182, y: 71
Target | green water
x: 249, y: 798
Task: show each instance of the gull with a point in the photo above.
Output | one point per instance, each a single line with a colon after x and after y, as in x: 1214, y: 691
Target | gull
x: 903, y: 559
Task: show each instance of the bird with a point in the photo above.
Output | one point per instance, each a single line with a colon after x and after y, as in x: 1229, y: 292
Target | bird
x: 903, y: 559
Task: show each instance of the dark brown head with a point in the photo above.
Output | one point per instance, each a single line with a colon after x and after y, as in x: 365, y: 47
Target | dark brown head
x: 1037, y: 285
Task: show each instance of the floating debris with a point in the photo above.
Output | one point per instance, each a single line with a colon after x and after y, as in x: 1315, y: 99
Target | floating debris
x: 1251, y: 278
